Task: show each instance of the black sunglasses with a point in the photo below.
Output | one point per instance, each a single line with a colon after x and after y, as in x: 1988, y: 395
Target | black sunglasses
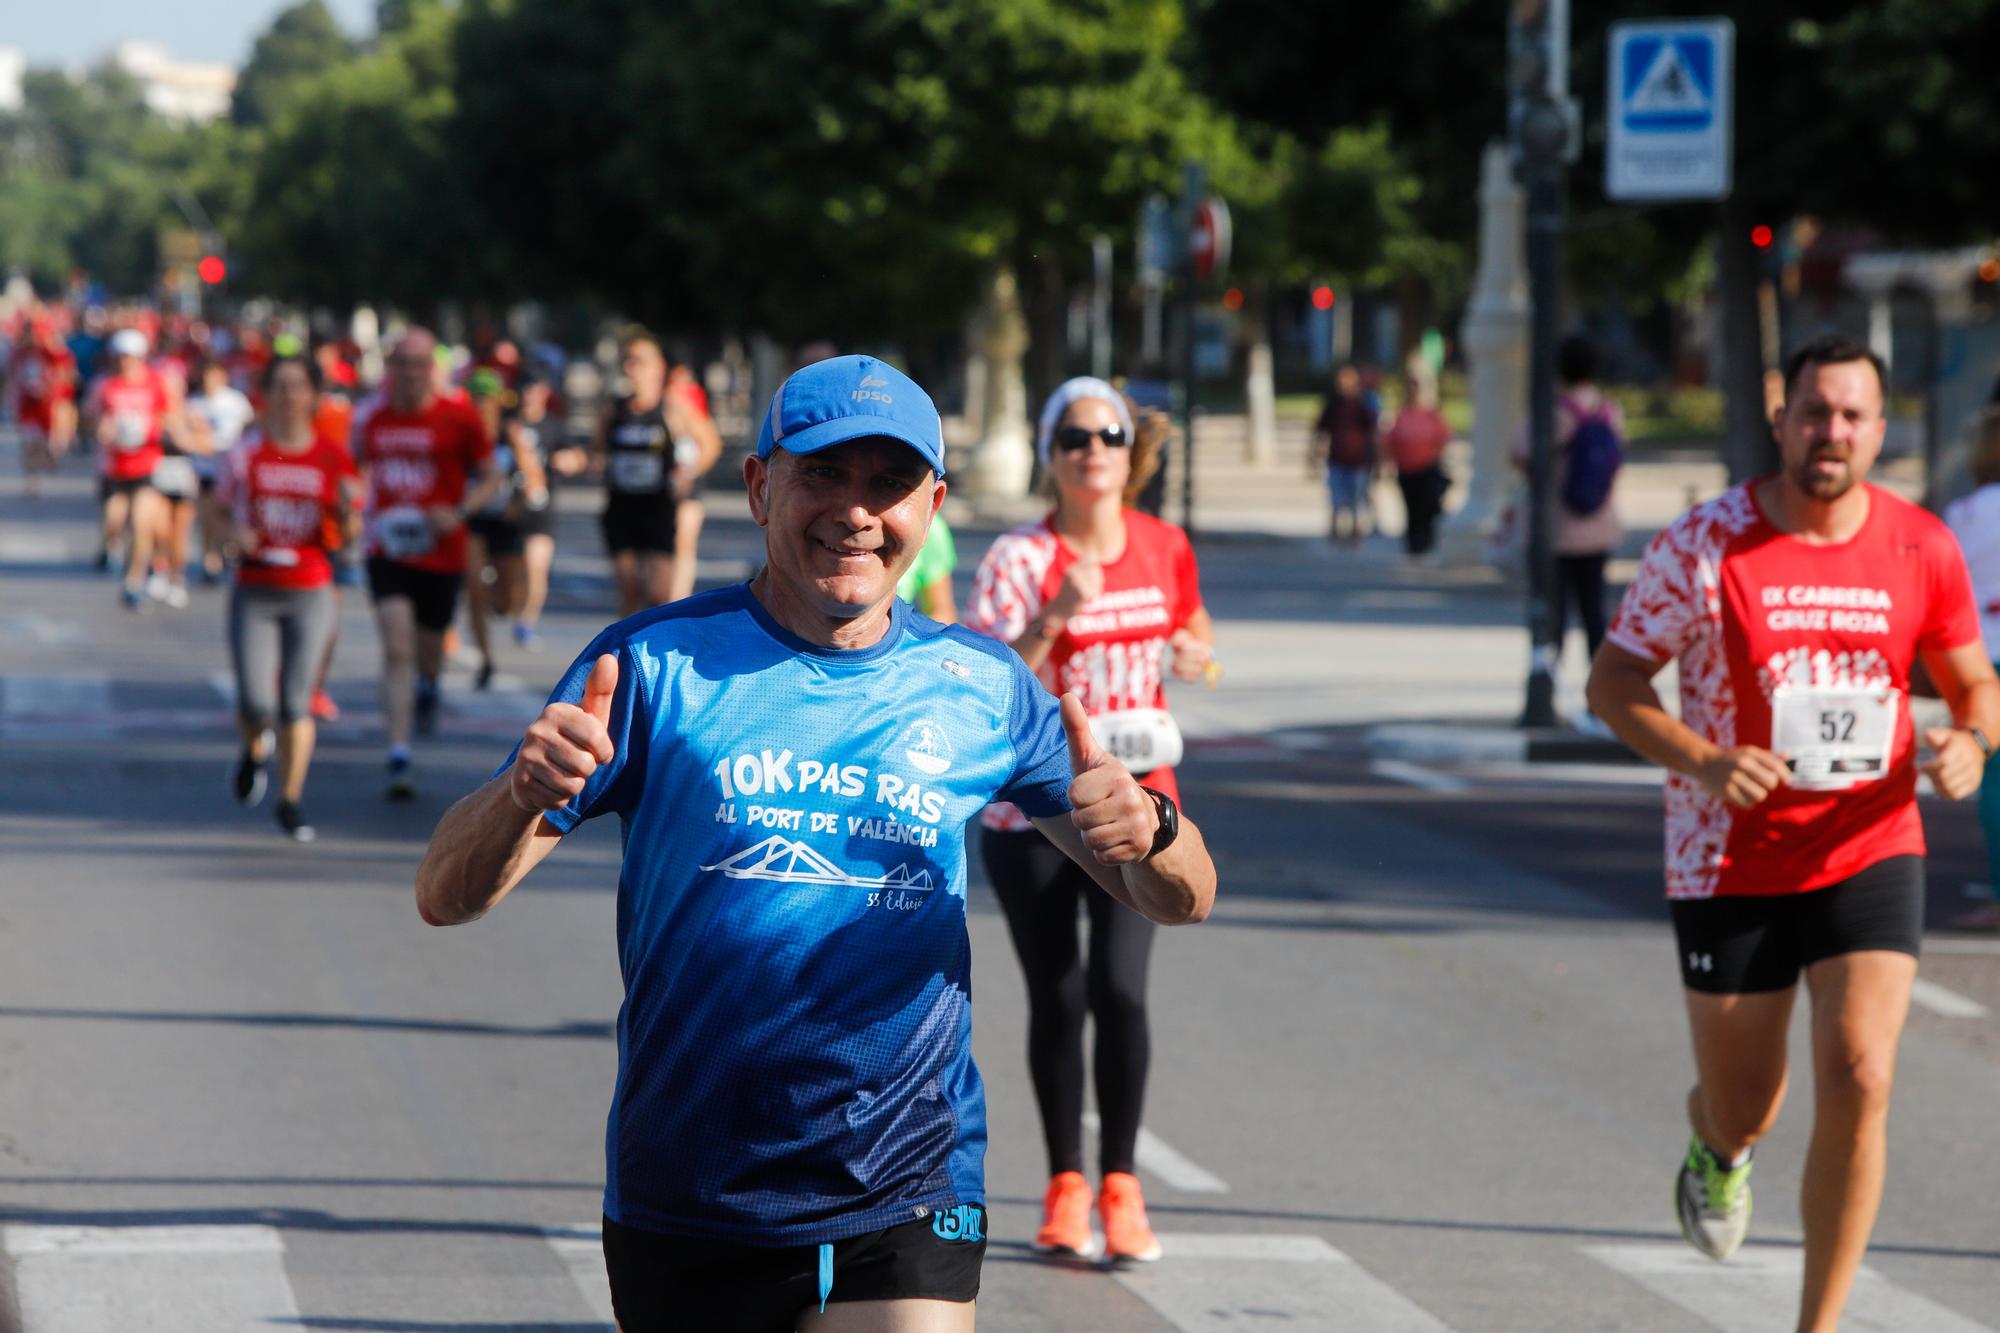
x: 1072, y: 438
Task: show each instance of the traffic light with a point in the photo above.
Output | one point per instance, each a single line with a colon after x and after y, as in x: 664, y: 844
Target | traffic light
x: 1543, y: 122
x: 1761, y: 236
x: 212, y: 269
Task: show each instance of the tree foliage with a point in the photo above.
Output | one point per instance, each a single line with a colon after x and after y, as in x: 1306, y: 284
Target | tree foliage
x: 301, y: 42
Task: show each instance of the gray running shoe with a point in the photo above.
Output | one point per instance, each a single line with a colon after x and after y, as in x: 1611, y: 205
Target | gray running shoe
x: 1713, y: 1201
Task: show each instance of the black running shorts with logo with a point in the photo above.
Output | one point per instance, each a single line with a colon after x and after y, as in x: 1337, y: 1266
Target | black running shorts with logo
x: 1743, y: 945
x: 666, y: 1284
x: 642, y: 523
x: 434, y: 596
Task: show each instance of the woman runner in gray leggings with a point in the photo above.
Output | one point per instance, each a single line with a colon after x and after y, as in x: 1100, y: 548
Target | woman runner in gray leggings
x: 292, y: 499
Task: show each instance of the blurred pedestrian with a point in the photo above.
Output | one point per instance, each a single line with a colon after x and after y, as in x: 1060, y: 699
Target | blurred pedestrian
x: 220, y: 411
x: 429, y: 465
x: 926, y: 585
x: 695, y: 455
x: 533, y: 433
x: 1344, y: 435
x: 294, y: 497
x: 1588, y: 424
x: 1415, y: 444
x: 1097, y: 599
x: 128, y: 412
x: 41, y: 399
x: 1975, y: 520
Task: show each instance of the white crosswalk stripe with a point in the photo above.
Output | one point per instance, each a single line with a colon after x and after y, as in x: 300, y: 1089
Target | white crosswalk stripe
x: 1157, y: 1157
x: 192, y: 1279
x: 79, y: 703
x: 581, y: 1249
x: 1220, y: 1284
x: 1757, y: 1289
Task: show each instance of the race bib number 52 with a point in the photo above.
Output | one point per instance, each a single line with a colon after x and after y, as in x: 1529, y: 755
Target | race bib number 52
x: 1834, y: 738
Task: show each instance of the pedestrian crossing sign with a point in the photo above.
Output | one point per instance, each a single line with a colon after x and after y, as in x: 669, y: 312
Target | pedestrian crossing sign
x: 1669, y: 121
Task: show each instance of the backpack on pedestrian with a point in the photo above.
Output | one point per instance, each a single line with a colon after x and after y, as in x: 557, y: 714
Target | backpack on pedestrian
x: 1596, y: 452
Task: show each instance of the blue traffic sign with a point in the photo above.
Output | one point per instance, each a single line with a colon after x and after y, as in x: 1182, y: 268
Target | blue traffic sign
x: 1669, y: 124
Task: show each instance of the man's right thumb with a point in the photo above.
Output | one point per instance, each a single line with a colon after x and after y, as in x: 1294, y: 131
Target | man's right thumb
x: 600, y: 686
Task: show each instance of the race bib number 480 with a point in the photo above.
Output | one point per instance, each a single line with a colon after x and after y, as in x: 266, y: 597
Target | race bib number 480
x: 1834, y: 738
x: 1142, y: 739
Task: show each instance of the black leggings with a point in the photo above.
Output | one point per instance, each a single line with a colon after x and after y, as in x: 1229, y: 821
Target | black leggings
x: 1580, y: 577
x: 1039, y: 888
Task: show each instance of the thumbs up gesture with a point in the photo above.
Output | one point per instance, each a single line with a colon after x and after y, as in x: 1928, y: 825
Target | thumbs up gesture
x: 1108, y: 806
x: 566, y: 744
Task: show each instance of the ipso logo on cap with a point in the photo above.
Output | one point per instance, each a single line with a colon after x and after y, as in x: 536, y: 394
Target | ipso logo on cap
x: 871, y: 391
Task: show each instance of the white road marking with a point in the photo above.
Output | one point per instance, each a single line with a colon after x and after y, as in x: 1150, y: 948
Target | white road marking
x: 36, y: 548
x: 189, y: 1279
x: 38, y: 629
x: 224, y: 684
x: 81, y: 700
x: 1158, y: 1157
x: 1949, y: 1003
x: 1582, y: 774
x: 1416, y: 775
x: 1221, y: 1284
x: 1758, y: 1289
x: 581, y: 1249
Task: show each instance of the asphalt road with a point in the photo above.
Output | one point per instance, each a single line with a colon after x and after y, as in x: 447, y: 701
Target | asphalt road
x: 1422, y: 1070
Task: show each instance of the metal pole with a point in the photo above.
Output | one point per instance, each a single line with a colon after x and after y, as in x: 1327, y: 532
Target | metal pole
x: 1100, y: 307
x: 1194, y: 184
x: 1545, y: 227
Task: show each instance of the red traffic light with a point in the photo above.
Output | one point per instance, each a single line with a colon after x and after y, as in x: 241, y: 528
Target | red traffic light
x: 1233, y: 299
x: 1322, y: 298
x: 1761, y: 236
x: 212, y: 269
x: 1989, y: 270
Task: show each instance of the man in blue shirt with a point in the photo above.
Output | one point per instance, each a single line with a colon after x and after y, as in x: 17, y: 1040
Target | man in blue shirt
x: 793, y: 761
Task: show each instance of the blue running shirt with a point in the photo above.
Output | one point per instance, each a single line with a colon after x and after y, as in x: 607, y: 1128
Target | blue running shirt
x: 795, y: 1046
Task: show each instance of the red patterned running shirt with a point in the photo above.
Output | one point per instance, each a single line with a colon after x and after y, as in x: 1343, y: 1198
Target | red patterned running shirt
x: 290, y: 501
x: 1111, y: 650
x: 1804, y: 650
x: 416, y: 461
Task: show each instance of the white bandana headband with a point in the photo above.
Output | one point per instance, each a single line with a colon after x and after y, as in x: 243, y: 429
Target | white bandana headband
x: 1070, y: 391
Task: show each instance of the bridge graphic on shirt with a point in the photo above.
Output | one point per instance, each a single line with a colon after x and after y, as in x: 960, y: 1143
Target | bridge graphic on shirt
x: 779, y: 860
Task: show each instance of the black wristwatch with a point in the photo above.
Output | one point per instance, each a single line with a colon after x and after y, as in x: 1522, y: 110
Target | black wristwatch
x: 1170, y: 822
x: 1985, y: 746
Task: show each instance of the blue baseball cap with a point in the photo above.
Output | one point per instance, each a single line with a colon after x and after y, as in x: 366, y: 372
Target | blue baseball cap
x: 851, y: 398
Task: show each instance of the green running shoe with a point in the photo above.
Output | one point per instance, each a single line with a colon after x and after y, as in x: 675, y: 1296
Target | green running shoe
x: 1713, y: 1201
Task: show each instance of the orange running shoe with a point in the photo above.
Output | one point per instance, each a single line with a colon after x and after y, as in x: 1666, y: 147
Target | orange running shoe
x: 1127, y: 1238
x: 323, y: 706
x: 1065, y: 1216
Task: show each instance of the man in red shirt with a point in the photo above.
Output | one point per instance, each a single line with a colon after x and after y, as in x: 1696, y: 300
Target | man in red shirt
x: 130, y: 411
x: 41, y: 389
x: 1796, y: 606
x: 428, y: 464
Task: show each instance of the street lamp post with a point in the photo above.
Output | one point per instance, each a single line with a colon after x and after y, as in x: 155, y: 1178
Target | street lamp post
x: 1542, y: 138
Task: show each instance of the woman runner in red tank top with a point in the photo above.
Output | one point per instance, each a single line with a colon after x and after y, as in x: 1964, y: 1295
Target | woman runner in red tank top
x: 1097, y: 598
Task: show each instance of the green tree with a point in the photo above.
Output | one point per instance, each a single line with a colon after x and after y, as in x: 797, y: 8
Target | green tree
x: 355, y: 195
x: 301, y: 42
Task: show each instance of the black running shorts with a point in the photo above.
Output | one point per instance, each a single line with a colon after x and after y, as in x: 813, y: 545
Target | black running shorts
x: 665, y: 1284
x: 1742, y: 945
x: 501, y: 535
x: 433, y: 595
x: 642, y: 523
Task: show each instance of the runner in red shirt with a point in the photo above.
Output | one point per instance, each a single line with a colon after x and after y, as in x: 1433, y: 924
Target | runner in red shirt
x: 1796, y: 606
x: 429, y: 464
x: 294, y: 496
x: 1096, y: 598
x: 130, y: 410
x: 41, y: 392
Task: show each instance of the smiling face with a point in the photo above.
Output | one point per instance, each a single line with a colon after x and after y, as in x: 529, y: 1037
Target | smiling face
x: 841, y: 525
x: 1096, y: 469
x: 1830, y: 428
